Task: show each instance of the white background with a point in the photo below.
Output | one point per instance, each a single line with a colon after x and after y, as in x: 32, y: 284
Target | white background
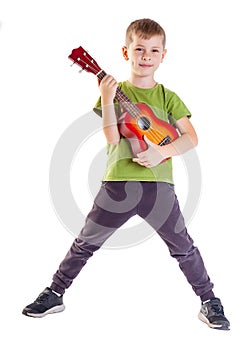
x: 134, y: 298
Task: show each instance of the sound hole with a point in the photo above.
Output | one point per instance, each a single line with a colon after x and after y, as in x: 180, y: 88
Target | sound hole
x: 143, y: 123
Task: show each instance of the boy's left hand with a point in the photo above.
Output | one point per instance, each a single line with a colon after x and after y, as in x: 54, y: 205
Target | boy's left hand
x: 152, y: 156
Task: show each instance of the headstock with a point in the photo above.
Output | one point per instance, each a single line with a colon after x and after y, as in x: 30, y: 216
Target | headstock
x: 82, y: 58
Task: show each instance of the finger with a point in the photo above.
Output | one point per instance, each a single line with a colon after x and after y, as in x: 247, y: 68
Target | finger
x: 139, y: 161
x: 110, y: 79
x: 141, y: 156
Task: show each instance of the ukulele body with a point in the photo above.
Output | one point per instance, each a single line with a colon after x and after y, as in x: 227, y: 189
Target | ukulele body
x: 146, y: 124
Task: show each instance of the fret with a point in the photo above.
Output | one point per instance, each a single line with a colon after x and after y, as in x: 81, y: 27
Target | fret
x: 125, y: 102
x: 101, y: 74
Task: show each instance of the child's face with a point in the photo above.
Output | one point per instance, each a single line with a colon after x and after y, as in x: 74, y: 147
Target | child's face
x: 145, y: 55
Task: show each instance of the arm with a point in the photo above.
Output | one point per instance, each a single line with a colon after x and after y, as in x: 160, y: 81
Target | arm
x: 155, y: 154
x: 108, y: 87
x: 185, y: 142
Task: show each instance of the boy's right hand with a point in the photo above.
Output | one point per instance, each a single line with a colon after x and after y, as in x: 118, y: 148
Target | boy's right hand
x: 108, y: 86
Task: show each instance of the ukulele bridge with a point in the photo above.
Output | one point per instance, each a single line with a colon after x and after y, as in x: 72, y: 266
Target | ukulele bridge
x: 165, y: 141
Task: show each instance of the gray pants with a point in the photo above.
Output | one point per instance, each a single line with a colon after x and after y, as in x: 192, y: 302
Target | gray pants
x: 118, y: 201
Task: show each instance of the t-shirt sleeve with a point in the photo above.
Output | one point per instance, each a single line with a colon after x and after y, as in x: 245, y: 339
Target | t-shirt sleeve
x: 176, y: 108
x: 97, y: 107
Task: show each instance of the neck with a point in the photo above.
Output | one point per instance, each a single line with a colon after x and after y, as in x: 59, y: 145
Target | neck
x: 142, y: 82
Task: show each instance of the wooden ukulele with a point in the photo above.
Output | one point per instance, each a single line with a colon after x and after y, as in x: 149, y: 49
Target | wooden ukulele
x: 138, y: 119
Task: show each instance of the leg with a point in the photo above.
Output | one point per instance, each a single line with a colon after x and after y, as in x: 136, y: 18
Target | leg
x: 172, y: 230
x: 100, y: 225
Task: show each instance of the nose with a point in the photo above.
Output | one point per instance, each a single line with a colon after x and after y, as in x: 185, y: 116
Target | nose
x: 146, y: 57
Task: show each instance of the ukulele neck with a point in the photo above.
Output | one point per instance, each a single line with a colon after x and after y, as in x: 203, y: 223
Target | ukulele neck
x: 125, y: 102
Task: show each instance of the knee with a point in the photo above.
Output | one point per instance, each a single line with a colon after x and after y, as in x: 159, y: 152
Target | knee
x: 184, y: 254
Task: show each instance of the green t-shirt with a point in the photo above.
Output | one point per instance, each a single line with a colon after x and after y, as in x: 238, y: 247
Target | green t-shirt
x: 167, y: 106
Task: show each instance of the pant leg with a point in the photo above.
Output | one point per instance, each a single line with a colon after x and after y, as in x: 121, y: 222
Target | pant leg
x: 166, y: 218
x: 109, y: 212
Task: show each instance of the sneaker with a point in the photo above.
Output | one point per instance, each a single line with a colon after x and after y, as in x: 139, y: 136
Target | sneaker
x: 46, y: 303
x: 212, y: 313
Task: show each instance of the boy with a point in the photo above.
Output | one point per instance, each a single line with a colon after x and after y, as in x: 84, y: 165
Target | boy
x: 140, y: 184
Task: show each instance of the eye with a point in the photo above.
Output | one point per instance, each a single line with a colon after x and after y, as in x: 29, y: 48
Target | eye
x: 139, y: 49
x: 155, y: 50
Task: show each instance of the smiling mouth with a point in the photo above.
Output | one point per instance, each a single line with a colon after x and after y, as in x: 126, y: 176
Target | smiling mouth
x: 146, y: 65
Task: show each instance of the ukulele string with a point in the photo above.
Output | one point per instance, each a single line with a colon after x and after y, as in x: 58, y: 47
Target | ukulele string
x: 135, y: 112
x: 126, y: 102
x: 95, y: 69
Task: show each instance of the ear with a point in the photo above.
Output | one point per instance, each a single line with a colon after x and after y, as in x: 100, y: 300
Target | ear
x: 163, y: 55
x: 125, y: 53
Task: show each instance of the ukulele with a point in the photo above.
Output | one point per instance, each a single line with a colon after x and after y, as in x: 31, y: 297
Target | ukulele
x: 137, y: 119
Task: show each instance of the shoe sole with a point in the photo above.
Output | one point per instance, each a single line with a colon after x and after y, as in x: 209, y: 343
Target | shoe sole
x: 212, y: 325
x: 53, y: 310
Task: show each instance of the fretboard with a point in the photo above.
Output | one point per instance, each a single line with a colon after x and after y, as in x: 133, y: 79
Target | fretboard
x: 123, y: 99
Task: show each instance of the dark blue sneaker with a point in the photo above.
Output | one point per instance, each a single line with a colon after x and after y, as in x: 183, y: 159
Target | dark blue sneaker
x: 212, y: 313
x: 46, y: 303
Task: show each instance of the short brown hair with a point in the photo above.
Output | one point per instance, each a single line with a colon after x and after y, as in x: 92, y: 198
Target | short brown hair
x: 145, y: 28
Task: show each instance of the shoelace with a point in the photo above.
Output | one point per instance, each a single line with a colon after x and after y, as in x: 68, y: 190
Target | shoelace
x: 42, y: 297
x: 217, y: 308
